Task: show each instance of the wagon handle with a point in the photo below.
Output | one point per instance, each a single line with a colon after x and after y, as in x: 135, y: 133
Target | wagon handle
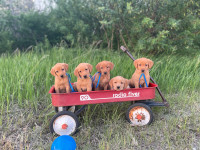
x: 125, y: 50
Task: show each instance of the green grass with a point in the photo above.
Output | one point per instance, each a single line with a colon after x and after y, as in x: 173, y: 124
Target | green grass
x: 26, y: 109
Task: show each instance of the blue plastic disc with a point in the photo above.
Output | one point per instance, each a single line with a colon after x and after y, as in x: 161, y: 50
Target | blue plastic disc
x: 64, y: 142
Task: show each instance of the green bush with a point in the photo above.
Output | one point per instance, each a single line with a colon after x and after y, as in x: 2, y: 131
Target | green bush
x: 145, y: 26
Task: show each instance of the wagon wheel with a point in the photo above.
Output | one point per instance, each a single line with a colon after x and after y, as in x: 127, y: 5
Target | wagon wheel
x: 139, y: 114
x: 64, y: 123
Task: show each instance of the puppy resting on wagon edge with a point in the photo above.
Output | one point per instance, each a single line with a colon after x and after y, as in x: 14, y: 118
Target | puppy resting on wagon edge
x: 119, y: 83
x: 61, y: 79
x: 142, y: 66
x: 84, y: 82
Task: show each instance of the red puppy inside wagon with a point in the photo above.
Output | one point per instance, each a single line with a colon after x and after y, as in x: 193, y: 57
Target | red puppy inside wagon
x: 138, y: 114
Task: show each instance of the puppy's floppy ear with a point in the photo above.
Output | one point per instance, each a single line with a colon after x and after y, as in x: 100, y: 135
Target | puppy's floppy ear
x: 90, y: 67
x: 76, y: 72
x: 136, y: 63
x: 150, y: 63
x: 126, y: 83
x: 98, y: 67
x: 65, y: 66
x: 52, y: 71
x: 111, y: 84
x: 111, y: 65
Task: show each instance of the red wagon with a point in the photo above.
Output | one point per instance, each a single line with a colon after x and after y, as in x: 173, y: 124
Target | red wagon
x: 66, y: 123
x: 138, y: 114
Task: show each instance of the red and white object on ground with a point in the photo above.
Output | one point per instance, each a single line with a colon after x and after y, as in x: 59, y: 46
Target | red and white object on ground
x: 64, y: 123
x: 139, y: 114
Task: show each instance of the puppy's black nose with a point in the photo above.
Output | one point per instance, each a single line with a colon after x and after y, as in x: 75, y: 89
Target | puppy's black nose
x: 105, y: 72
x: 61, y: 76
x: 142, y: 70
x: 85, y: 76
x: 118, y: 87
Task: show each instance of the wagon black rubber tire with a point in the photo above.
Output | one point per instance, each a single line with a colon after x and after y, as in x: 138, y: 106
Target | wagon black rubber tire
x: 64, y: 113
x: 146, y: 108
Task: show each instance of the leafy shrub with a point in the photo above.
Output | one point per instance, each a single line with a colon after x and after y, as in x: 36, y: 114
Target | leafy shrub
x: 145, y: 26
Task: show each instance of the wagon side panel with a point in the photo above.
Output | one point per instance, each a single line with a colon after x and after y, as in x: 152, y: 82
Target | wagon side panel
x: 95, y: 97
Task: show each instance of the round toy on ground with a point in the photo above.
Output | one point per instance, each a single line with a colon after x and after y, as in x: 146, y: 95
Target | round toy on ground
x: 64, y: 142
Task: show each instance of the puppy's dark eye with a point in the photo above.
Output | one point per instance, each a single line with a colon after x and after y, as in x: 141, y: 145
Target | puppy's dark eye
x: 101, y: 67
x: 107, y: 67
x: 139, y: 64
x: 146, y: 65
x: 122, y: 83
x: 62, y: 69
x: 86, y: 69
x: 79, y: 71
x: 56, y: 71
